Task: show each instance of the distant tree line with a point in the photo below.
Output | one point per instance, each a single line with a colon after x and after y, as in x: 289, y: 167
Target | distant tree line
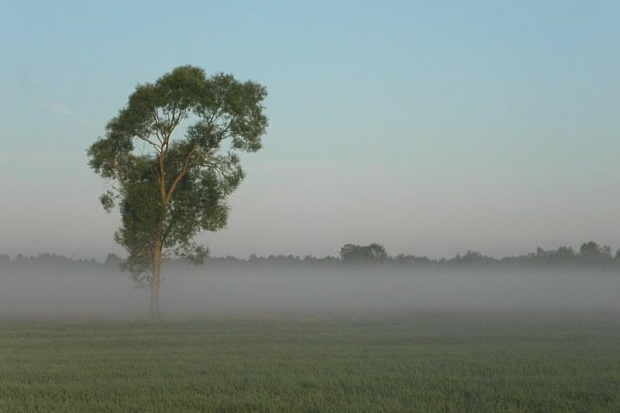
x: 589, y: 256
x: 45, y: 259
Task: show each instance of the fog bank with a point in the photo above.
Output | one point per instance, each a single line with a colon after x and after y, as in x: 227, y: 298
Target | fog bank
x: 201, y: 290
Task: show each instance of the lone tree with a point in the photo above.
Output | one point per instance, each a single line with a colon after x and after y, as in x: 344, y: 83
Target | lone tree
x: 174, y: 183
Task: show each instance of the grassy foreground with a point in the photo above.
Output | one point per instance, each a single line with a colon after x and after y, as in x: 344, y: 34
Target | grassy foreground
x: 421, y: 361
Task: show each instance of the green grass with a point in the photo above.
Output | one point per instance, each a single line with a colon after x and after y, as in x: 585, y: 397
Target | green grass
x: 421, y: 361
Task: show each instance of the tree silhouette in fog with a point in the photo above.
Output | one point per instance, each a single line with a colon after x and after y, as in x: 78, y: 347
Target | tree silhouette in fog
x: 363, y: 253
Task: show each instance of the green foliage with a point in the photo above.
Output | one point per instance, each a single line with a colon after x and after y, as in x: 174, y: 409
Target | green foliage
x: 359, y: 253
x: 592, y: 249
x: 442, y: 361
x: 170, y: 188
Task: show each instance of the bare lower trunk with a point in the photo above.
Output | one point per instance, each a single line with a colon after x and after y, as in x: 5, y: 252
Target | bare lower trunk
x: 156, y: 280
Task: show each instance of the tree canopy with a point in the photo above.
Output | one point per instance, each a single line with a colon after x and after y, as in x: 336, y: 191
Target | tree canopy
x: 359, y: 253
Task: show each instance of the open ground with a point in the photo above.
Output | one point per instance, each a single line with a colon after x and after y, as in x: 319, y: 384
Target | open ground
x: 394, y: 361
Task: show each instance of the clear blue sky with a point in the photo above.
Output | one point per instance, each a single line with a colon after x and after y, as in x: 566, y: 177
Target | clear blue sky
x: 431, y: 127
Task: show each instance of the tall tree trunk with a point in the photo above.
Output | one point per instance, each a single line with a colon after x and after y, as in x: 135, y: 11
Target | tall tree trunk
x: 156, y: 280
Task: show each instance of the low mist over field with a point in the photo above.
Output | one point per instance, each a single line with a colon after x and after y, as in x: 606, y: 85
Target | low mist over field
x: 91, y: 289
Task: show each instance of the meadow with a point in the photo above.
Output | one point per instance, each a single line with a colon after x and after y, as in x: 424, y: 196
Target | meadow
x: 392, y: 361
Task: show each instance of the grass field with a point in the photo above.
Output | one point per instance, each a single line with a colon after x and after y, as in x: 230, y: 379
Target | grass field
x: 426, y: 361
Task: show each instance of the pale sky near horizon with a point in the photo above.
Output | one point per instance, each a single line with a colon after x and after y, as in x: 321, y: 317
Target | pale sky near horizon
x: 430, y: 127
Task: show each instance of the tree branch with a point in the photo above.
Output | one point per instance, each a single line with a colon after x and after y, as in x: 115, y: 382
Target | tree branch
x: 181, y: 174
x: 150, y: 142
x: 162, y: 176
x: 157, y: 127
